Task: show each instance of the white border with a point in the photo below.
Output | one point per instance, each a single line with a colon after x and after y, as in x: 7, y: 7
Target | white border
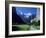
x: 25, y: 32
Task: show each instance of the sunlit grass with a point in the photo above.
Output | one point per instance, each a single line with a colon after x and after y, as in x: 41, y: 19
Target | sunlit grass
x: 23, y: 27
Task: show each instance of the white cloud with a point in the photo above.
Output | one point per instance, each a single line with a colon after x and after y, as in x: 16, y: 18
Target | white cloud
x: 19, y: 12
x: 27, y: 14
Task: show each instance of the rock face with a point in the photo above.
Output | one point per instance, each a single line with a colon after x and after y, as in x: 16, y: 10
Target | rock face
x: 15, y: 17
x: 38, y: 14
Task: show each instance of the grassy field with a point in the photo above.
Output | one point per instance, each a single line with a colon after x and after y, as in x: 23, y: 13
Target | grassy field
x: 22, y: 27
x: 32, y: 26
x: 26, y: 27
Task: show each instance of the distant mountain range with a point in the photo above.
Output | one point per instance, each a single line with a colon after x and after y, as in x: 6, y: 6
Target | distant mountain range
x: 27, y: 17
x: 21, y: 18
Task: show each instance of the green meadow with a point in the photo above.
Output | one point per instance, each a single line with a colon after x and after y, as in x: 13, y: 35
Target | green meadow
x: 32, y: 26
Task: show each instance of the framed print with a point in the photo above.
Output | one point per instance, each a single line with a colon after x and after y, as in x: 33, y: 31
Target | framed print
x: 24, y: 18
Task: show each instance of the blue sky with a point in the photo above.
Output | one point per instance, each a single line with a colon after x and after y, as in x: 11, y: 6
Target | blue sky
x: 26, y: 10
